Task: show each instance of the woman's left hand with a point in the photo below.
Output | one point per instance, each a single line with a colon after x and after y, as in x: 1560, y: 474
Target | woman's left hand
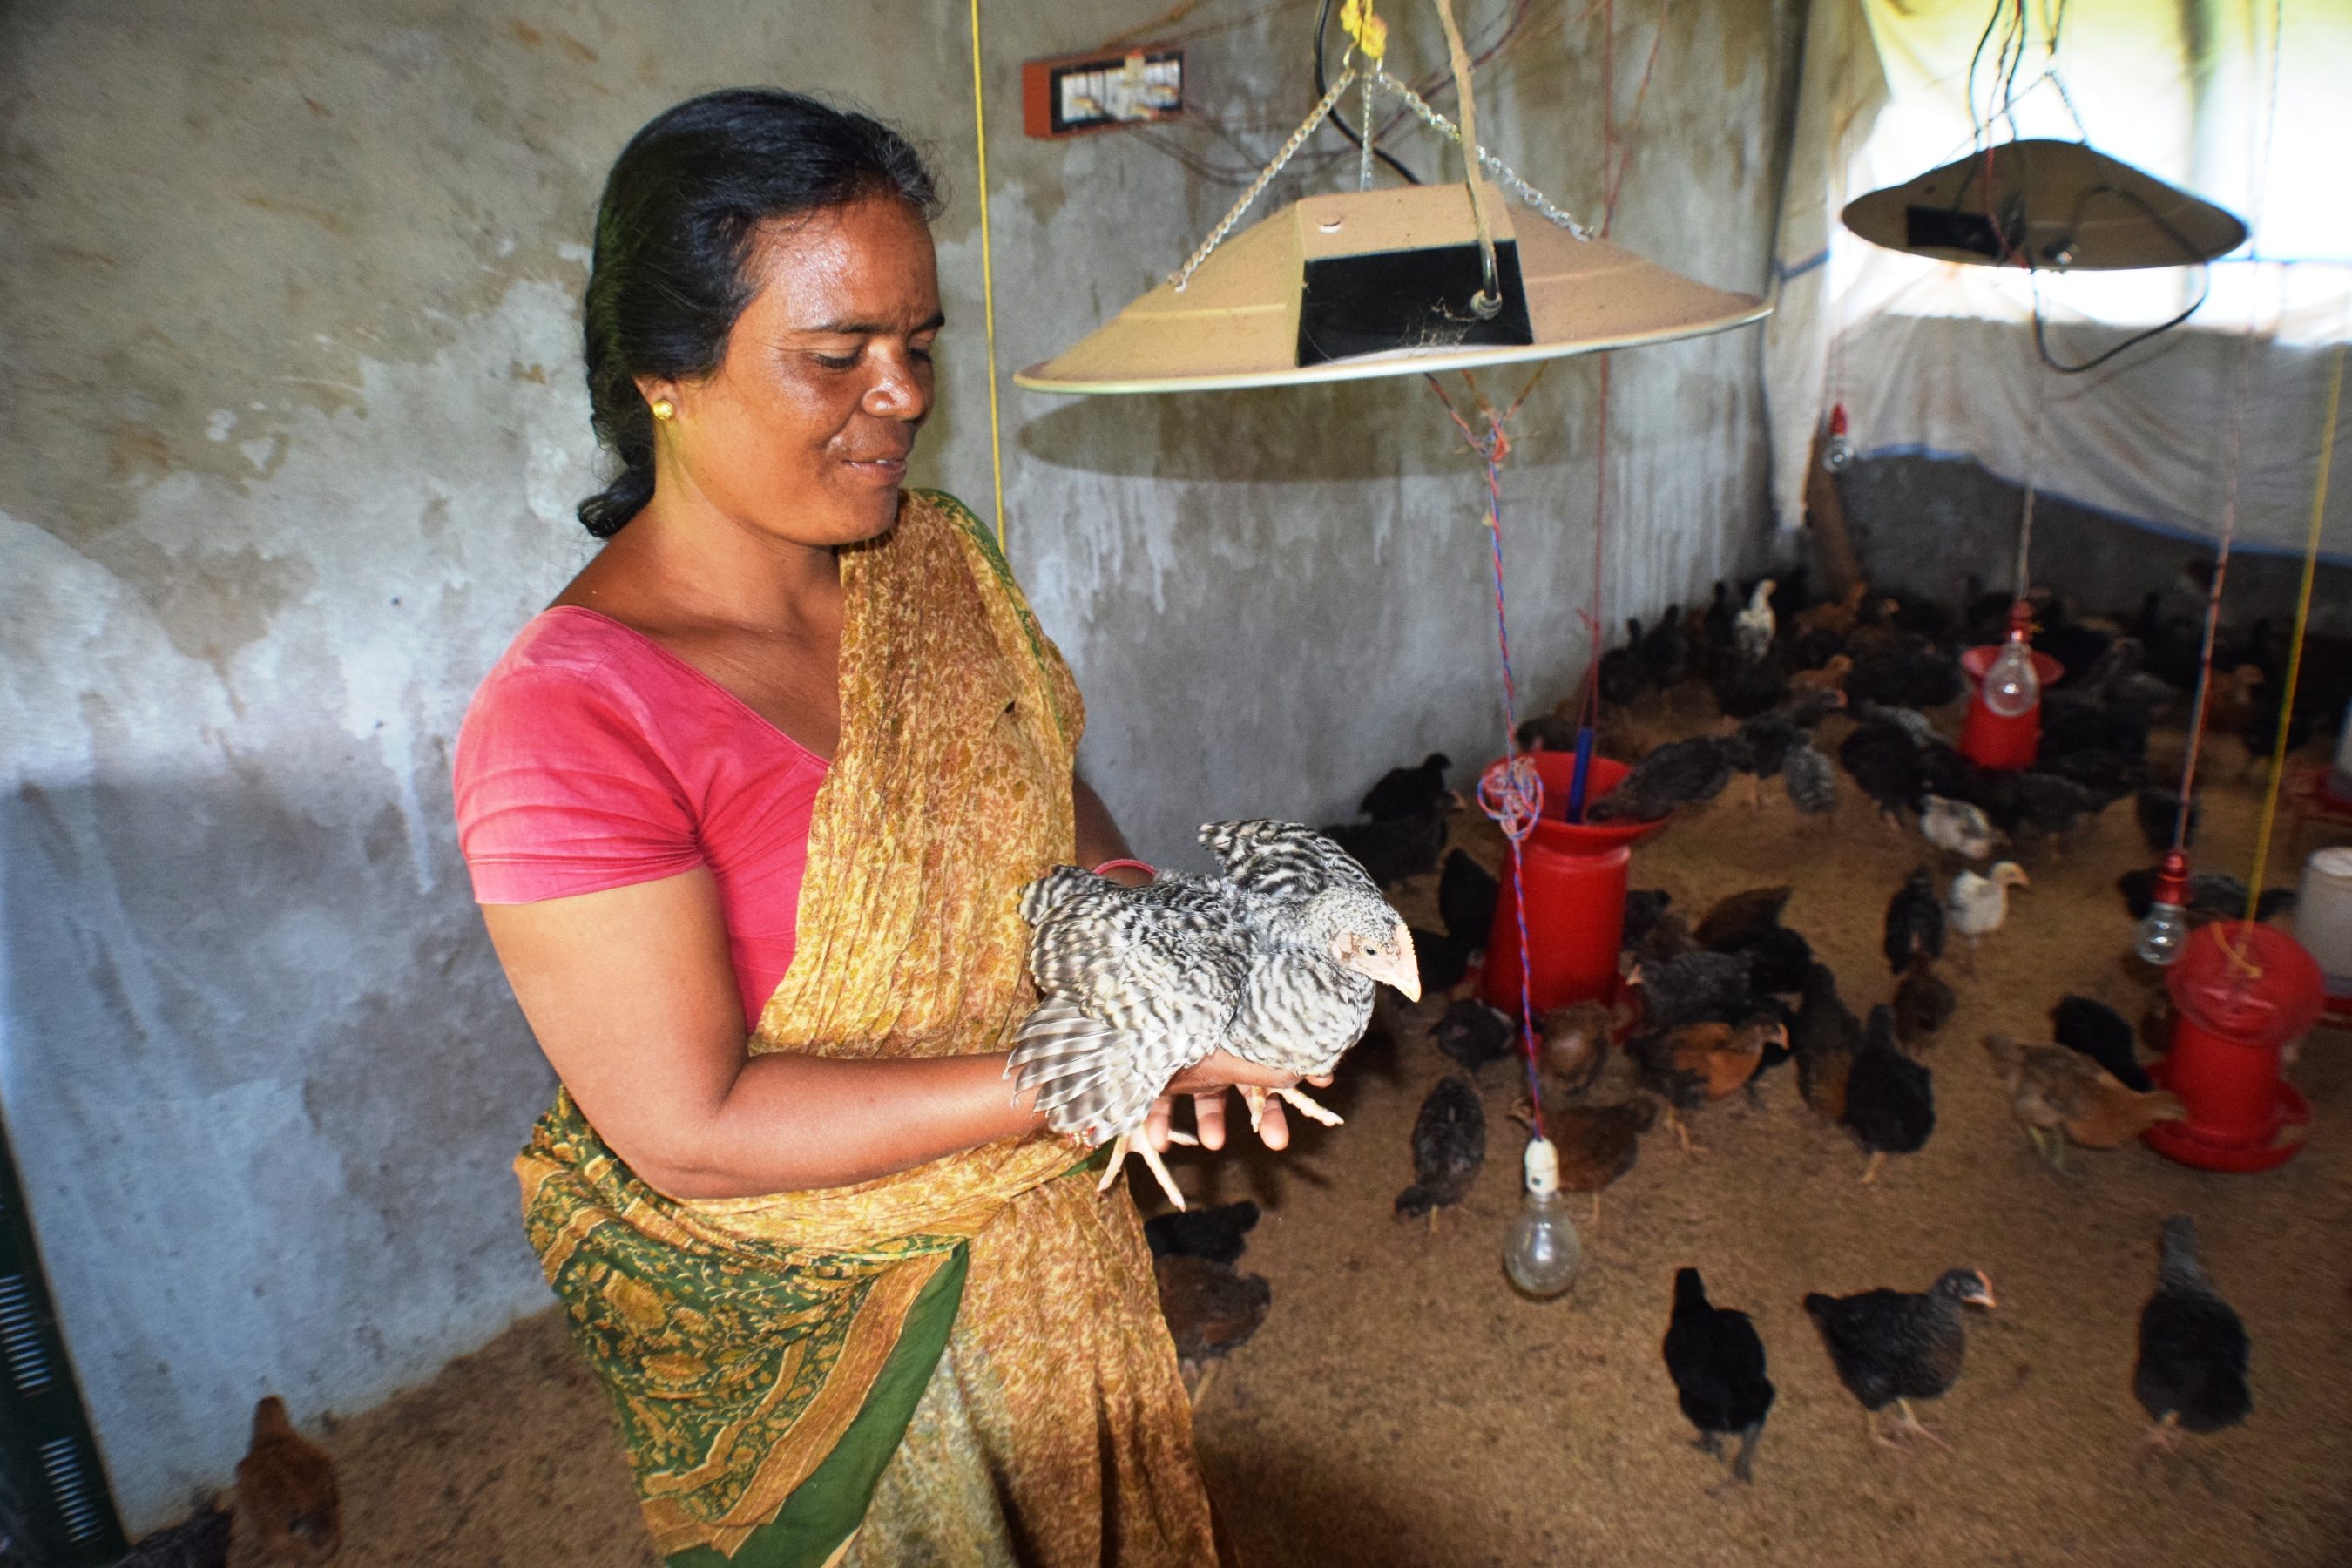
x: 1205, y: 1083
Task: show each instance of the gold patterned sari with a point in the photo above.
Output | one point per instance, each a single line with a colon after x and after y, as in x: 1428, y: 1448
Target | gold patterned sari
x: 978, y: 1338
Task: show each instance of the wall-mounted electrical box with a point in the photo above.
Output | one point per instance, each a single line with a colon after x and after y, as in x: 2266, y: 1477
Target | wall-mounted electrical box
x: 1075, y: 94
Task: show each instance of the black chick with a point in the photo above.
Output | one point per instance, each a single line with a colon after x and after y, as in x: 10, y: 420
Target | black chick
x: 1466, y: 900
x: 1642, y: 908
x: 1745, y: 687
x: 1698, y: 987
x: 1721, y: 623
x: 1680, y: 772
x: 1914, y: 922
x: 1890, y: 1099
x: 2158, y: 810
x: 1717, y: 1361
x: 2100, y: 1033
x: 2191, y: 1376
x: 1923, y: 1004
x: 1449, y: 1145
x: 1621, y: 675
x: 1440, y: 959
x: 1779, y: 960
x: 1473, y: 1035
x: 1891, y: 1347
x: 1214, y: 1233
x: 1409, y: 792
x: 1909, y: 676
x: 1665, y: 652
x: 1546, y: 732
x: 1883, y: 762
x: 1393, y: 850
x: 1742, y: 920
x: 1210, y: 1308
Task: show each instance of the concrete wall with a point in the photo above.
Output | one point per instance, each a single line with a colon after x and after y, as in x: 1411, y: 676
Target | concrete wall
x: 294, y: 429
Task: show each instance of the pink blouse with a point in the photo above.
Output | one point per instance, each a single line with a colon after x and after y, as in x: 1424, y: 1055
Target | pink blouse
x: 592, y: 757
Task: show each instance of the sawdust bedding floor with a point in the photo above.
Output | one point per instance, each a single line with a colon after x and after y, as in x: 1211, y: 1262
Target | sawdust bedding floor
x: 1402, y: 1406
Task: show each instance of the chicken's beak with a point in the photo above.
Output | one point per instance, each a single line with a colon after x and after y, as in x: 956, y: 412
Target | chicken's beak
x: 1392, y: 965
x: 1986, y: 1300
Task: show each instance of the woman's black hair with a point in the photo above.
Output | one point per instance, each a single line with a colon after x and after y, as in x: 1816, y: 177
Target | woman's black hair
x: 675, y: 232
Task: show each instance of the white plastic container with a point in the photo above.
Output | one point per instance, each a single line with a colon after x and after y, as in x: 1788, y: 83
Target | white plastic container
x: 2322, y: 916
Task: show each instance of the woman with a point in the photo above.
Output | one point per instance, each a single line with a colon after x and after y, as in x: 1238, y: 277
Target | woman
x: 747, y: 811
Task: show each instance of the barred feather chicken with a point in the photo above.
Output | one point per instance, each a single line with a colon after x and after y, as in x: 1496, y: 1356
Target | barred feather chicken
x: 1274, y: 962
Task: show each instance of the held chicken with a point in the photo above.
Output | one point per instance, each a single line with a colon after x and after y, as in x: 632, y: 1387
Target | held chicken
x: 1717, y: 1361
x: 2191, y: 1373
x: 2060, y: 1097
x: 1274, y: 961
x: 1891, y: 1347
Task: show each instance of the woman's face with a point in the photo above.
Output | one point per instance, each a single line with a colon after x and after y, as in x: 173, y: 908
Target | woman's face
x: 803, y: 433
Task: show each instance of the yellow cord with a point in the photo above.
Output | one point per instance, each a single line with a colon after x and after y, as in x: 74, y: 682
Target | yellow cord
x: 2294, y: 649
x: 987, y: 280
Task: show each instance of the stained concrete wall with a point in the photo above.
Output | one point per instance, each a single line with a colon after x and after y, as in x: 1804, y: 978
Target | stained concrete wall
x: 294, y: 428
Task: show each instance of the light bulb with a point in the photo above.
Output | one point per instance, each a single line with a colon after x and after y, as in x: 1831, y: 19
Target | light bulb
x: 2011, y: 688
x: 2162, y: 934
x: 1837, y: 452
x: 1544, y: 1251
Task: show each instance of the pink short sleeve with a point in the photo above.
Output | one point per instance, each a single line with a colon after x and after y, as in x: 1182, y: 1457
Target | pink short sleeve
x: 560, y: 790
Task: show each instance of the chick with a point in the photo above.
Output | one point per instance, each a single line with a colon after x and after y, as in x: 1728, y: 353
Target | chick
x: 1884, y: 763
x: 1473, y: 1035
x: 1823, y: 1040
x: 1697, y: 1063
x: 1976, y: 905
x: 288, y: 1507
x: 1394, y: 849
x: 1717, y: 1361
x: 1680, y: 772
x: 1890, y: 1099
x: 1449, y: 1146
x: 1829, y: 676
x: 1956, y: 826
x: 2191, y: 1373
x: 1923, y: 1004
x: 2157, y: 810
x: 2059, y: 1097
x: 1466, y: 893
x: 1217, y: 1234
x: 1692, y: 988
x: 2100, y: 1033
x: 1891, y: 1347
x: 1810, y: 782
x: 1740, y: 920
x: 1576, y: 1043
x: 1915, y: 923
x: 1409, y: 792
x: 1642, y: 908
x: 1752, y: 629
x: 1212, y: 1308
x: 1746, y: 687
x: 1547, y: 733
x: 1665, y: 653
x: 1834, y: 617
x: 1597, y: 1144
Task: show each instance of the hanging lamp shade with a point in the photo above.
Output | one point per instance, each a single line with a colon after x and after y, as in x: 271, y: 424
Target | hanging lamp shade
x: 1356, y: 284
x: 2056, y: 205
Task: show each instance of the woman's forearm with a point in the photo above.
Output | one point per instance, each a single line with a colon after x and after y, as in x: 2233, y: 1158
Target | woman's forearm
x: 791, y: 1122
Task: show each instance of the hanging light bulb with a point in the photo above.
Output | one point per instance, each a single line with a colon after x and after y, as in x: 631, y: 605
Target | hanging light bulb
x: 2164, y: 933
x: 1837, y: 453
x: 2011, y: 689
x: 1544, y: 1251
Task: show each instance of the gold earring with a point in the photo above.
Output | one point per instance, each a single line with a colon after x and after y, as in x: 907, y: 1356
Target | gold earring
x: 664, y: 409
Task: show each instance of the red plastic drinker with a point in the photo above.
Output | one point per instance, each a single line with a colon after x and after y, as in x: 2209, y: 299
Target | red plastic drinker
x: 1575, y: 897
x: 2233, y: 1015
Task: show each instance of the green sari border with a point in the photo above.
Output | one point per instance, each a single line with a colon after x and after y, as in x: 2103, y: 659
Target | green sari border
x: 822, y: 1511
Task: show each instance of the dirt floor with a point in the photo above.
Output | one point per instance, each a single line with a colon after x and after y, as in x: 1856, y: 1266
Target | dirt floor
x: 1402, y: 1406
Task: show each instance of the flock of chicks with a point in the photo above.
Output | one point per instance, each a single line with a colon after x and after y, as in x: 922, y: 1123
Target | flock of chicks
x: 1706, y: 1008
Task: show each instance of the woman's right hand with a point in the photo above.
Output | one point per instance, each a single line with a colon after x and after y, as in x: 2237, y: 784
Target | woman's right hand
x: 1206, y: 1082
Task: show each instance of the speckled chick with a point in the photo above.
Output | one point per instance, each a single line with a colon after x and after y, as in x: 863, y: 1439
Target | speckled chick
x: 1274, y: 962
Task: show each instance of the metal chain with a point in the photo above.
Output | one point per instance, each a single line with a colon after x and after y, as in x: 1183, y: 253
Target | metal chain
x: 1504, y: 176
x: 1364, y: 174
x: 1184, y: 274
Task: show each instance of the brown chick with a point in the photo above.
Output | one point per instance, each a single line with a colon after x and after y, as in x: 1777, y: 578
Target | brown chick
x: 1668, y: 937
x: 1831, y: 677
x: 1739, y: 919
x: 1923, y: 1004
x: 1597, y: 1144
x: 1212, y: 1308
x: 289, y: 1513
x: 1701, y: 1062
x: 2060, y: 1095
x: 1834, y: 617
x: 1576, y: 1043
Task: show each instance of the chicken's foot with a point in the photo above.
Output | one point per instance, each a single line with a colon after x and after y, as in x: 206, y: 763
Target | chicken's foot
x: 1682, y: 1131
x: 1137, y: 1143
x: 1909, y: 1426
x: 1256, y: 1099
x: 2162, y: 1438
x: 1869, y: 1171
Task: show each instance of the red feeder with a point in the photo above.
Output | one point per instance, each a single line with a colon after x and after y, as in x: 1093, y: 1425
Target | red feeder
x: 1575, y: 897
x: 1997, y: 740
x: 2232, y: 1018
